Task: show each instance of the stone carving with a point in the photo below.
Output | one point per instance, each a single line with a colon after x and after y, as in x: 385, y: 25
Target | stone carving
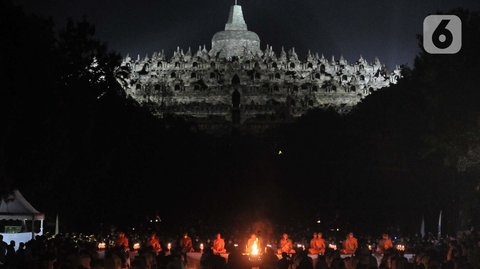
x: 236, y: 82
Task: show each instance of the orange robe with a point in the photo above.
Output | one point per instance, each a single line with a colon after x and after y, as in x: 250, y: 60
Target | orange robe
x: 388, y: 244
x: 317, y: 246
x: 313, y: 247
x: 286, y: 245
x: 384, y: 244
x: 350, y: 245
x: 186, y: 244
x: 155, y: 244
x: 122, y: 242
x: 219, y: 246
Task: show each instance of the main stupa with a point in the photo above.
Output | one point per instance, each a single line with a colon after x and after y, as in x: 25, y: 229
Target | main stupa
x: 235, y: 40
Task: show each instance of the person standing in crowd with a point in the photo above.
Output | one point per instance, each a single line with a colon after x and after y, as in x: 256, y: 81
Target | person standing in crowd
x: 10, y: 255
x: 3, y: 251
x: 350, y: 244
x: 219, y: 245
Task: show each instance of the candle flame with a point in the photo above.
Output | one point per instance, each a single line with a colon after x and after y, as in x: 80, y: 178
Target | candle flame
x: 101, y: 245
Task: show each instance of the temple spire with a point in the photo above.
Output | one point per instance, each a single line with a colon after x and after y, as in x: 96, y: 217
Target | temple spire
x: 235, y: 19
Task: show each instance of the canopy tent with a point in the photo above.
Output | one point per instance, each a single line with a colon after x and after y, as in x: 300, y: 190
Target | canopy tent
x: 16, y: 207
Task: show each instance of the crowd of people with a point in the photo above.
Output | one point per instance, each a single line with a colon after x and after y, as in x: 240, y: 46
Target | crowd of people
x: 118, y: 252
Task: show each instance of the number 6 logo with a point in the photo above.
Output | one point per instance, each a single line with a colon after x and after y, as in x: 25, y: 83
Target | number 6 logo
x: 442, y: 34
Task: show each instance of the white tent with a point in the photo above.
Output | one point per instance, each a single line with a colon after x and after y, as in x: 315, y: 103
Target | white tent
x: 16, y: 207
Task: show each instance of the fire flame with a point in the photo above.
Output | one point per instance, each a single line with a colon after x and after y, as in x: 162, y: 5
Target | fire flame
x: 255, y: 247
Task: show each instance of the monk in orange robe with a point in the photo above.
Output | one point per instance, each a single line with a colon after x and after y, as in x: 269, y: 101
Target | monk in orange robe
x: 251, y: 241
x: 219, y: 245
x: 350, y: 244
x: 154, y: 242
x: 186, y: 243
x: 318, y: 246
x: 384, y: 244
x: 122, y: 241
x: 313, y: 245
x: 286, y: 245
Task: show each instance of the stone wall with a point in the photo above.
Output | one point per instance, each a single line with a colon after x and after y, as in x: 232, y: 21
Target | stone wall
x: 271, y: 88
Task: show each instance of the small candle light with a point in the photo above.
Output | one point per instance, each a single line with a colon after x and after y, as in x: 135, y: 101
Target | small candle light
x: 400, y: 247
x: 169, y: 246
x: 136, y: 246
x: 235, y: 245
x: 332, y: 246
x: 369, y: 247
x: 201, y: 247
x: 101, y: 246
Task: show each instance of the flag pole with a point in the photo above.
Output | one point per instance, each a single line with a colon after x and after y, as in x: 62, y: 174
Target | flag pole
x: 422, y: 227
x: 440, y: 225
x: 57, y: 228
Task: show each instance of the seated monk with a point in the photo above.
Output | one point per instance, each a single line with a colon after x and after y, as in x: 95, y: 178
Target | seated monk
x: 286, y: 245
x: 313, y: 245
x: 350, y: 244
x: 122, y: 242
x: 186, y: 244
x: 251, y: 241
x: 219, y: 245
x: 317, y: 244
x: 321, y: 243
x: 155, y: 244
x: 384, y: 244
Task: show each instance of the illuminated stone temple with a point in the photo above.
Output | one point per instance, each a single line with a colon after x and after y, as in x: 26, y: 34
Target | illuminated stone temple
x: 236, y: 83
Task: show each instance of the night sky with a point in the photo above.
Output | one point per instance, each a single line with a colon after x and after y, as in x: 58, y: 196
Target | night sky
x: 371, y: 28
